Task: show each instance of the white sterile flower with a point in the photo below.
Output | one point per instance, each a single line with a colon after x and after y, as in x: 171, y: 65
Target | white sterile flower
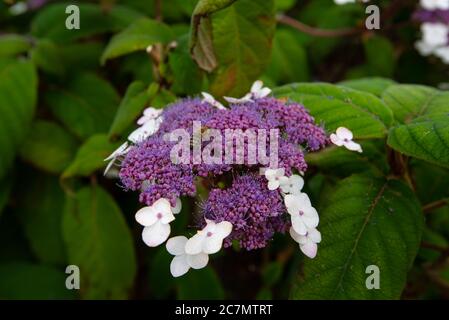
x: 207, y: 97
x: 424, y: 48
x: 148, y: 129
x: 258, y: 91
x: 120, y: 151
x: 149, y: 113
x: 303, y: 215
x: 307, y: 242
x: 435, y: 34
x: 443, y: 54
x: 293, y: 184
x: 344, y: 1
x: 244, y: 99
x: 210, y: 239
x: 435, y: 4
x: 156, y: 220
x: 343, y: 137
x: 275, y: 178
x: 182, y: 261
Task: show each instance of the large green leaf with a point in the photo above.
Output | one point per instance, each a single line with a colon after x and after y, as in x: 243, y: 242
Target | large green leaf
x: 411, y: 101
x: 426, y: 139
x: 99, y: 242
x: 13, y: 44
x: 136, y: 98
x: 138, y: 36
x: 47, y: 56
x: 18, y: 91
x: 372, y: 85
x: 86, y: 105
x: 40, y: 213
x: 363, y: 113
x: 242, y: 36
x: 49, y: 23
x: 48, y: 147
x: 90, y: 156
x: 19, y: 280
x: 363, y: 222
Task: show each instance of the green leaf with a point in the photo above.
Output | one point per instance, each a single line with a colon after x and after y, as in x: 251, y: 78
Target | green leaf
x: 40, y: 213
x: 100, y: 243
x: 49, y: 23
x: 199, y: 285
x: 242, y: 37
x: 379, y: 53
x: 160, y: 280
x: 19, y: 280
x: 86, y: 105
x: 363, y: 113
x: 201, y: 43
x: 424, y: 139
x: 90, y: 156
x: 411, y: 101
x: 272, y: 273
x: 289, y: 61
x: 13, y: 44
x: 137, y: 36
x: 48, y: 147
x: 46, y: 56
x: 372, y: 85
x: 136, y: 98
x: 364, y: 222
x: 18, y: 91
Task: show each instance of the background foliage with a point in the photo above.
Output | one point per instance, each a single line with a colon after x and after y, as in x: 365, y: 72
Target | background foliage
x: 68, y: 97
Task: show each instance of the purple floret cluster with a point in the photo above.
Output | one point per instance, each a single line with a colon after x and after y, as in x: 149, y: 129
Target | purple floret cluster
x: 243, y: 198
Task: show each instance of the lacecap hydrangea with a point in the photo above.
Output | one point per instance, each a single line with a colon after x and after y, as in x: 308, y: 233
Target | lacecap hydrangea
x: 248, y: 200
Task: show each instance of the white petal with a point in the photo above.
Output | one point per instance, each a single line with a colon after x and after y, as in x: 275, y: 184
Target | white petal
x: 212, y: 244
x: 304, y: 200
x: 297, y: 237
x: 353, y: 146
x: 146, y: 216
x: 211, y: 100
x: 177, y: 208
x: 109, y: 166
x: 310, y: 217
x: 336, y: 140
x: 314, y: 235
x: 264, y: 92
x: 297, y: 182
x: 285, y: 187
x: 162, y: 205
x: 156, y: 234
x: 280, y: 172
x: 344, y: 133
x: 270, y: 174
x: 137, y: 135
x: 179, y: 266
x: 195, y: 244
x: 298, y: 225
x: 142, y: 120
x: 176, y: 245
x: 257, y: 85
x: 198, y: 261
x: 292, y: 203
x: 282, y: 180
x: 273, y: 184
x: 223, y: 229
x: 309, y: 249
x: 118, y: 152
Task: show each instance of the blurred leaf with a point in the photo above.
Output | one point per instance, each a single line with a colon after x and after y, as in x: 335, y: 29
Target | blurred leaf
x: 100, y: 243
x: 284, y: 5
x: 46, y: 56
x: 163, y: 98
x: 423, y: 139
x: 18, y: 90
x: 49, y: 23
x: 13, y: 44
x: 29, y: 281
x: 201, y: 43
x: 372, y: 85
x: 160, y: 280
x: 432, y: 182
x: 288, y: 60
x: 76, y: 56
x: 264, y: 294
x: 48, y: 147
x: 242, y: 36
x: 411, y: 101
x: 40, y: 212
x: 90, y: 156
x: 272, y: 273
x: 86, y: 105
x: 135, y: 100
x: 363, y: 113
x: 199, y: 285
x: 13, y: 243
x: 5, y: 189
x: 434, y: 238
x: 364, y: 222
x: 138, y: 36
x: 380, y: 57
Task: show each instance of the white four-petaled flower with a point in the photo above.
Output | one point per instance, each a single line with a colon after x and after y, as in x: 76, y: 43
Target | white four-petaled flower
x: 156, y: 220
x: 258, y: 91
x: 303, y: 215
x: 275, y: 178
x: 293, y: 184
x: 182, y: 261
x: 146, y: 130
x: 149, y: 113
x: 307, y: 242
x: 207, y: 97
x: 343, y: 137
x: 210, y: 239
